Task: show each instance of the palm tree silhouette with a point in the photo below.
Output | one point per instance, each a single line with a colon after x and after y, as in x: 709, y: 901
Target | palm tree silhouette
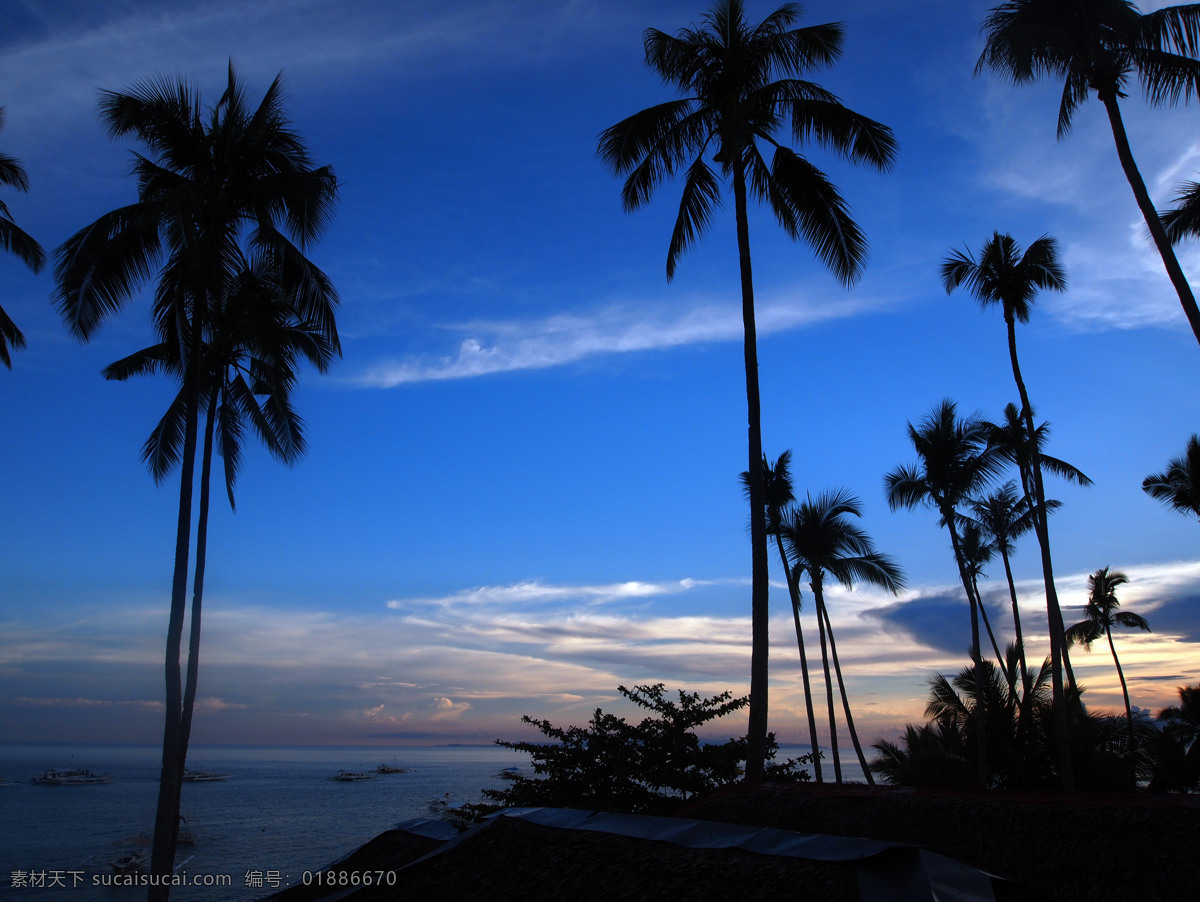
x: 1097, y: 45
x: 1102, y: 615
x: 734, y: 100
x: 14, y: 239
x: 821, y: 539
x: 1003, y: 517
x: 955, y: 461
x: 777, y: 490
x: 1007, y: 276
x: 1179, y: 485
x: 212, y: 175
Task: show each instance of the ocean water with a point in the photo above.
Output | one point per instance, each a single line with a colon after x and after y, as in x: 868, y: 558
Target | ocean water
x: 276, y: 817
x: 274, y: 822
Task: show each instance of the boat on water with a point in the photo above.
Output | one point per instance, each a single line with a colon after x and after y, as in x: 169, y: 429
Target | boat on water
x: 350, y: 776
x: 70, y: 777
x: 390, y: 769
x: 203, y: 776
x: 509, y: 773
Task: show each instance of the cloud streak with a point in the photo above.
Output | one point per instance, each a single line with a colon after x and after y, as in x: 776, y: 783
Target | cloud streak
x: 566, y: 338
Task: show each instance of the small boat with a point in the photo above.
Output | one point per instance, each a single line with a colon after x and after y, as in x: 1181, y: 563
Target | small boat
x: 509, y: 773
x: 129, y: 861
x: 349, y: 776
x: 390, y: 769
x: 203, y: 776
x: 70, y: 777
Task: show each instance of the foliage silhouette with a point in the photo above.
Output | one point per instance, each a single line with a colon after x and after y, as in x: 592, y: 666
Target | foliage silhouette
x: 16, y: 240
x: 1178, y: 486
x: 741, y: 85
x: 644, y: 768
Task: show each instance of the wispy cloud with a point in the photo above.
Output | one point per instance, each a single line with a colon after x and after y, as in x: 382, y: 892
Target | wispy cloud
x: 566, y: 338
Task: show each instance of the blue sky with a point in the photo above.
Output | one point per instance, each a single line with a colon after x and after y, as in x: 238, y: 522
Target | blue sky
x: 521, y: 485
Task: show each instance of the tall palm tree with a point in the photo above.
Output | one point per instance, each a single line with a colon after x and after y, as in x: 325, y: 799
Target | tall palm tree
x: 13, y: 238
x: 216, y: 181
x: 1102, y: 615
x: 955, y: 461
x: 821, y: 539
x: 741, y: 87
x: 977, y: 552
x: 1004, y: 517
x: 778, y: 494
x: 1097, y: 45
x: 1009, y: 277
x: 1179, y: 485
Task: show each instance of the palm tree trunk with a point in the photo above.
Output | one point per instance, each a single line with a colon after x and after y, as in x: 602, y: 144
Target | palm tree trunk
x: 1054, y: 618
x: 1120, y: 675
x: 1020, y: 639
x: 833, y: 744
x: 756, y: 739
x: 193, y: 664
x: 823, y: 612
x: 1174, y: 271
x: 987, y: 625
x: 166, y: 821
x: 981, y: 767
x: 794, y: 592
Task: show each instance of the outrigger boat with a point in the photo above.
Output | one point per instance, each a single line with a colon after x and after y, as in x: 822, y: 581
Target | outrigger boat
x: 349, y: 776
x: 202, y: 776
x: 70, y: 777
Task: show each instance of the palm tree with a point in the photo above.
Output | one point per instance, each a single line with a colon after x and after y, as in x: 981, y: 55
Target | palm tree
x: 13, y: 238
x: 1179, y: 485
x: 1102, y: 615
x: 740, y: 89
x: 1007, y: 276
x: 212, y: 175
x: 820, y: 540
x: 955, y: 462
x: 977, y: 552
x: 1096, y: 45
x: 1175, y: 751
x: 777, y: 490
x: 1003, y: 517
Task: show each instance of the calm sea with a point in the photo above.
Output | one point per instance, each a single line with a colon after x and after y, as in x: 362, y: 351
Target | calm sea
x: 277, y: 817
x: 277, y: 814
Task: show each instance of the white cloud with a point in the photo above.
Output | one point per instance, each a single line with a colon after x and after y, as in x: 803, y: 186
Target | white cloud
x: 565, y: 338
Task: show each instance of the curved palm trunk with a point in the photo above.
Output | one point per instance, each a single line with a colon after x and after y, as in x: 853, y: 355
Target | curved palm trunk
x: 166, y: 821
x: 193, y: 665
x: 1120, y: 675
x: 981, y: 769
x: 833, y: 743
x: 823, y: 612
x: 1174, y: 271
x: 987, y: 625
x: 1016, y: 610
x: 756, y: 740
x: 1054, y: 618
x: 794, y: 593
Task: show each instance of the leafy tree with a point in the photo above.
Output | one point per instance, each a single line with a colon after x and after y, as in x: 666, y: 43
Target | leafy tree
x: 644, y: 768
x: 742, y: 86
x: 777, y: 490
x: 1179, y: 485
x: 955, y: 462
x: 1097, y: 46
x: 13, y: 238
x: 212, y: 176
x: 821, y: 539
x: 1102, y: 615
